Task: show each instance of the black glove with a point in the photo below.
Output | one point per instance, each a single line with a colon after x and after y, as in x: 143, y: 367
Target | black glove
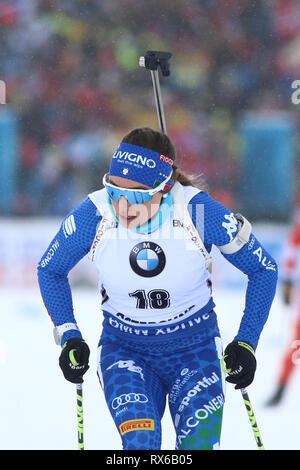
x: 239, y: 358
x: 74, y: 359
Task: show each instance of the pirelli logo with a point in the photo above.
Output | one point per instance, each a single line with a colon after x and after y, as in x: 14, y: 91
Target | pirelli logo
x: 137, y: 425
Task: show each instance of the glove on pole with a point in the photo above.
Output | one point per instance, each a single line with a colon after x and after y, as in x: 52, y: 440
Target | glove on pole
x: 74, y: 362
x: 240, y: 364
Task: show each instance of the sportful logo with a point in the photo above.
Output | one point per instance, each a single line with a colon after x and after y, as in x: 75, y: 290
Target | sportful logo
x: 204, y: 383
x: 134, y: 158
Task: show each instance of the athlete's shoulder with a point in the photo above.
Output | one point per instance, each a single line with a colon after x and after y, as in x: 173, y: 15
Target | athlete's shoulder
x: 218, y: 223
x: 79, y: 226
x: 190, y: 192
x: 194, y: 196
x: 99, y: 199
x: 199, y: 196
x: 85, y: 211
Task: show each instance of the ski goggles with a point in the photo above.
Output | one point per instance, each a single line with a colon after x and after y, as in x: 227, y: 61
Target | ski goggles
x: 134, y: 196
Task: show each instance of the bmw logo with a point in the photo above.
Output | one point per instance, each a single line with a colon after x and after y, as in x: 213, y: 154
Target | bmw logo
x: 147, y: 259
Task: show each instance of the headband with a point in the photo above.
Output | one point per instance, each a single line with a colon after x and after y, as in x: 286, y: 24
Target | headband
x: 142, y: 165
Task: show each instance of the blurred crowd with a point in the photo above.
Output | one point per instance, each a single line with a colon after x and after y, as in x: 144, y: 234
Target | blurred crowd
x: 72, y: 76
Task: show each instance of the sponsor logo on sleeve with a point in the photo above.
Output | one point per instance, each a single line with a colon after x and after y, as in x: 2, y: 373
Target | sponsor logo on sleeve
x: 263, y: 259
x: 231, y: 225
x: 50, y: 254
x: 69, y: 226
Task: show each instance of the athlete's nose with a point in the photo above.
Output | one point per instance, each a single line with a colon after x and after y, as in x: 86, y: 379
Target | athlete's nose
x: 123, y: 206
x: 123, y: 202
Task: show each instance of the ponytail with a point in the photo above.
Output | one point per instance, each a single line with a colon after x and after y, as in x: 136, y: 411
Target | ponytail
x: 188, y: 180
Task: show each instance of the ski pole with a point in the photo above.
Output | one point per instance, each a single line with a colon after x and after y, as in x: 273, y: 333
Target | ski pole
x: 249, y: 409
x: 252, y: 419
x: 79, y: 417
x: 152, y: 61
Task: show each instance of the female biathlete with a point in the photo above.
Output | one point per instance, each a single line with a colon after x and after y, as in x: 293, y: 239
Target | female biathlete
x: 149, y: 232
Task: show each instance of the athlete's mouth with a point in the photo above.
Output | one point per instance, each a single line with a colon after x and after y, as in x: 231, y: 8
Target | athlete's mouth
x: 128, y: 217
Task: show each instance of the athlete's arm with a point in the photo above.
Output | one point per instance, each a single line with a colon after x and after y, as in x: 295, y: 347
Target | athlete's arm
x: 68, y: 247
x: 219, y: 227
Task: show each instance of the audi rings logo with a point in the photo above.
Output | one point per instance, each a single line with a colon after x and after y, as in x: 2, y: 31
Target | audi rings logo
x: 128, y: 398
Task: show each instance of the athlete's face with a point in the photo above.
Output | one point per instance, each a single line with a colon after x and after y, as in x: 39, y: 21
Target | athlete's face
x: 134, y: 215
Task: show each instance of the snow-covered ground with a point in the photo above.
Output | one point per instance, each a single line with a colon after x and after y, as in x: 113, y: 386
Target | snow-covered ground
x: 39, y: 406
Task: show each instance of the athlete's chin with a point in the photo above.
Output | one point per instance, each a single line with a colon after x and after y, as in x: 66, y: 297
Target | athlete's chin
x: 130, y: 222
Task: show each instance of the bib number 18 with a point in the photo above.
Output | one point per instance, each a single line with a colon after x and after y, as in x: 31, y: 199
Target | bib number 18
x: 152, y: 299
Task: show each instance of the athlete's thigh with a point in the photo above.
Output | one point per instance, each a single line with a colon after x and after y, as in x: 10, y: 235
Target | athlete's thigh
x: 134, y: 394
x: 196, y: 397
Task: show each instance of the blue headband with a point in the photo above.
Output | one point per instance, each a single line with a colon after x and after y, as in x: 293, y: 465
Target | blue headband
x: 141, y: 165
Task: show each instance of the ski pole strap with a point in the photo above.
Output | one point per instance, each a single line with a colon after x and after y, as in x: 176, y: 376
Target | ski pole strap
x: 79, y: 417
x: 252, y: 419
